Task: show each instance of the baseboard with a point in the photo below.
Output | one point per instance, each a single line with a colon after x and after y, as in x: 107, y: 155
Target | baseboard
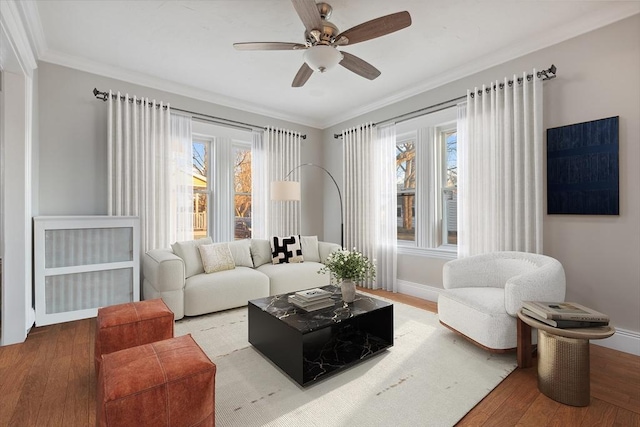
x: 623, y: 340
x: 430, y: 293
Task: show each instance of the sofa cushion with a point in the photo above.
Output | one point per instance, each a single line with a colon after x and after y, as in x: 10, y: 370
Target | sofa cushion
x: 260, y: 252
x: 189, y: 253
x: 285, y: 278
x: 241, y: 253
x: 286, y: 249
x: 207, y: 293
x: 216, y: 257
x: 310, y: 250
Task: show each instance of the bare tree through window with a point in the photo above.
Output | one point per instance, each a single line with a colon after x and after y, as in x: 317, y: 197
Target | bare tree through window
x: 242, y: 192
x: 406, y: 183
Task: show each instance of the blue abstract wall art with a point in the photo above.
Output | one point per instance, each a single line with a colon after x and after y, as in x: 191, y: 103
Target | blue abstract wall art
x: 582, y: 168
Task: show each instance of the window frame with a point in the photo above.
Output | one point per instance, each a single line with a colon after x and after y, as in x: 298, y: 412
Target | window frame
x: 242, y: 145
x: 207, y: 141
x: 400, y: 139
x: 443, y: 250
x: 442, y: 131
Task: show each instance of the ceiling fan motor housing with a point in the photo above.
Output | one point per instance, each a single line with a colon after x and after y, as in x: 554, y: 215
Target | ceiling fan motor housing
x: 325, y: 35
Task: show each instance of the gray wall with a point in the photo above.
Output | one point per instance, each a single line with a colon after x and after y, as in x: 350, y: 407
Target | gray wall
x: 598, y: 76
x: 72, y: 147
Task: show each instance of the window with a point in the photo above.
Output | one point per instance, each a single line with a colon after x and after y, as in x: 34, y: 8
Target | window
x: 406, y: 184
x: 221, y: 183
x: 201, y: 188
x: 426, y: 173
x: 449, y: 139
x: 242, y: 192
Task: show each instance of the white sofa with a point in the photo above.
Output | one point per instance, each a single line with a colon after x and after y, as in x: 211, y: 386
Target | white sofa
x: 483, y: 294
x: 177, y: 275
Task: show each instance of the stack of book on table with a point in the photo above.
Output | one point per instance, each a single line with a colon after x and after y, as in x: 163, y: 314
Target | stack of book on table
x: 312, y: 299
x: 564, y: 314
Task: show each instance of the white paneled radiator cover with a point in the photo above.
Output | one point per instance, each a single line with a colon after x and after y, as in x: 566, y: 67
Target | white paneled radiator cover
x: 82, y: 263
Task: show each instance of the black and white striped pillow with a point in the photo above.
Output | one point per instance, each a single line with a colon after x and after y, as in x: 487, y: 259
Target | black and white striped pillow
x: 286, y: 249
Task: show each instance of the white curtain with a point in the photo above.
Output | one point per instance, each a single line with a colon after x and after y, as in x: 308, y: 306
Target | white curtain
x: 500, y: 168
x: 426, y: 189
x: 181, y: 183
x: 371, y: 199
x: 274, y: 155
x: 223, y: 203
x: 149, y: 155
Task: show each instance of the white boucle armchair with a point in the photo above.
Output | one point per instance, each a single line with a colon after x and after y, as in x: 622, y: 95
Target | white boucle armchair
x: 484, y: 292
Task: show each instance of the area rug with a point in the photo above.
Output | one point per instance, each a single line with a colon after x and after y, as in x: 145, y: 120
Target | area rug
x: 430, y: 377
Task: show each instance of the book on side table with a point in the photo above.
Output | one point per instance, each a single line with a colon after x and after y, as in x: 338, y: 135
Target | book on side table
x: 564, y: 314
x: 563, y: 324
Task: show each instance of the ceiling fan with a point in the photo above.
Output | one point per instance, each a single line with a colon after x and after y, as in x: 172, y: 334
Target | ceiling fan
x: 322, y: 39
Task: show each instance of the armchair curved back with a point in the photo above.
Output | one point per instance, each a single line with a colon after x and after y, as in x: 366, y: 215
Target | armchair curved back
x: 524, y: 276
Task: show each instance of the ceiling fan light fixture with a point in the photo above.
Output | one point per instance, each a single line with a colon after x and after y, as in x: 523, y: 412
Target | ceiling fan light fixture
x: 322, y: 58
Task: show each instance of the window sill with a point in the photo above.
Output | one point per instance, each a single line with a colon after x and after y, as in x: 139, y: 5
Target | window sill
x: 442, y: 252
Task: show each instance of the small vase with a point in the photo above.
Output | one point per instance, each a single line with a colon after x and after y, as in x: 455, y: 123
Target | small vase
x: 348, y: 288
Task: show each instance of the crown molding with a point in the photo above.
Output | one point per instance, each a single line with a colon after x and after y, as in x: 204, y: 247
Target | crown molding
x: 13, y: 26
x: 550, y: 38
x: 142, y: 79
x: 33, y: 26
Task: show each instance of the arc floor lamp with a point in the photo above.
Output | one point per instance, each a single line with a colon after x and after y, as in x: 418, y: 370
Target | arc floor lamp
x: 290, y: 190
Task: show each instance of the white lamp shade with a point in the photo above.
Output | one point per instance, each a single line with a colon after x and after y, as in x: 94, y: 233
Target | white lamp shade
x: 322, y: 58
x: 285, y: 190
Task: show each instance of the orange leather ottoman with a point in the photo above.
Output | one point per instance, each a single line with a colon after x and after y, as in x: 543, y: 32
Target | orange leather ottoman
x: 128, y: 325
x: 166, y: 383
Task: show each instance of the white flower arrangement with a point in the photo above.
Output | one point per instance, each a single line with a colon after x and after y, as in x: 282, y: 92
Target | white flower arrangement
x: 349, y: 265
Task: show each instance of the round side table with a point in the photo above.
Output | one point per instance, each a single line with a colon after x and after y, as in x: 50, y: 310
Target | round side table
x: 563, y: 360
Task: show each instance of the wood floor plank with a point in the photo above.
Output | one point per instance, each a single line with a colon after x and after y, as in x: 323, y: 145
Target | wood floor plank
x: 540, y: 413
x: 51, y: 411
x: 76, y: 410
x: 32, y: 393
x: 495, y: 401
x: 514, y: 407
x: 92, y: 375
x: 626, y: 418
x: 599, y: 414
x: 13, y: 377
x: 568, y: 416
x: 65, y: 339
x: 8, y: 355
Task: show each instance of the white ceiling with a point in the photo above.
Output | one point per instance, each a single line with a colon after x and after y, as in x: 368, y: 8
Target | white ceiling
x: 186, y: 47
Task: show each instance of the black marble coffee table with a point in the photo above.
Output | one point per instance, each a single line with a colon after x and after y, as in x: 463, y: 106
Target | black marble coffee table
x: 311, y: 346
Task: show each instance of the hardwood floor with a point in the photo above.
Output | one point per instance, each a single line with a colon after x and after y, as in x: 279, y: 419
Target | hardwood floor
x: 49, y: 380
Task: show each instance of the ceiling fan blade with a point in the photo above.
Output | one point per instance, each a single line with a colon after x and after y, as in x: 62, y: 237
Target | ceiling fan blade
x: 359, y: 66
x: 269, y: 46
x: 376, y: 27
x: 302, y: 76
x: 308, y: 13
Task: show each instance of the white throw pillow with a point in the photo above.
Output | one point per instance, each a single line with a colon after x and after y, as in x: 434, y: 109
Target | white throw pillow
x: 216, y: 257
x: 241, y: 252
x: 188, y: 251
x: 260, y: 252
x: 310, y: 250
x: 286, y: 249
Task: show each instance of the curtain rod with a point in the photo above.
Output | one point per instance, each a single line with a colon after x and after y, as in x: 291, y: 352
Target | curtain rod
x: 548, y: 74
x: 200, y: 116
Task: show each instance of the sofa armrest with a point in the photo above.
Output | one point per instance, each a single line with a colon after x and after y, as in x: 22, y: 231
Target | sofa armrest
x: 163, y: 270
x: 546, y: 283
x: 325, y: 248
